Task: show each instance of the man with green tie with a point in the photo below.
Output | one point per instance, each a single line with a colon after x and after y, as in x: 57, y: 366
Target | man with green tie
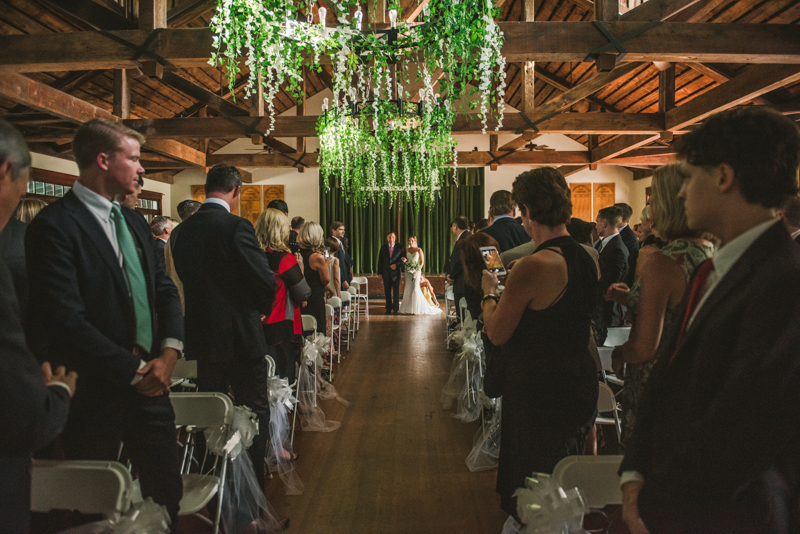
x: 103, y: 305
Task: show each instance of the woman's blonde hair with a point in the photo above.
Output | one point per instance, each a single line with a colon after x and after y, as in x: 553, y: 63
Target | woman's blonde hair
x: 28, y: 208
x: 646, y: 214
x: 667, y: 210
x: 272, y: 230
x: 311, y: 236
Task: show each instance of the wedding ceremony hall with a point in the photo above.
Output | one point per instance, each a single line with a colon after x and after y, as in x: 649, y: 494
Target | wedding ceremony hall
x: 399, y: 266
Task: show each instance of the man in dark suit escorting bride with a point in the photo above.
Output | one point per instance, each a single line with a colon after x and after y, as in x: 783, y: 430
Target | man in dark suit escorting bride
x: 390, y: 264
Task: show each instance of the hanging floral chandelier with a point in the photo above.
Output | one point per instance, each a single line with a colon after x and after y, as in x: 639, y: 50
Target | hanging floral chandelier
x: 374, y: 140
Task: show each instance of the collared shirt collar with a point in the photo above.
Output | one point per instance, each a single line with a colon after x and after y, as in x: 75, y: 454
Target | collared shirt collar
x: 337, y: 239
x: 605, y: 240
x: 219, y: 202
x: 727, y: 256
x: 795, y: 234
x: 730, y: 253
x: 459, y: 234
x: 97, y: 204
x: 503, y: 217
x: 161, y: 239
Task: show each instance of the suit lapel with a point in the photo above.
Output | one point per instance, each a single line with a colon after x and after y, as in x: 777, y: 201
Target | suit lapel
x: 737, y: 275
x: 88, y: 223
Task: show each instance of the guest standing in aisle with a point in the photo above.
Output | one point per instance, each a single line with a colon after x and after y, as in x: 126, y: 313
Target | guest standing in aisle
x: 715, y: 447
x: 109, y: 311
x: 228, y: 285
x: 33, y: 401
x: 541, y: 322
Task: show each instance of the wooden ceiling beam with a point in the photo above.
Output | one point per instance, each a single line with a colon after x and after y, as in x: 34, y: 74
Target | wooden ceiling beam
x: 203, y: 95
x: 44, y: 98
x: 567, y: 170
x: 182, y: 15
x: 716, y: 73
x: 163, y: 177
x: 656, y: 10
x: 91, y: 13
x: 465, y: 159
x: 619, y: 145
x: 755, y: 81
x: 563, y: 85
x: 524, y: 41
x: 566, y: 123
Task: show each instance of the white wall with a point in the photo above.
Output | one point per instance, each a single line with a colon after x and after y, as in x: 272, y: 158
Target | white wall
x: 302, y: 190
x: 638, y: 195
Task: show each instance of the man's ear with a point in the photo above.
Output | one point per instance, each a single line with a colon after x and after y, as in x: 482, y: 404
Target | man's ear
x: 236, y: 191
x: 6, y: 173
x: 102, y: 160
x: 725, y: 176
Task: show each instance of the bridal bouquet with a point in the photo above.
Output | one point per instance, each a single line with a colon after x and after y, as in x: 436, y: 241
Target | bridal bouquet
x: 412, y: 266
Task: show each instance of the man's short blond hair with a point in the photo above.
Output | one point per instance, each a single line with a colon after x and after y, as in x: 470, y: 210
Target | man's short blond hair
x: 100, y: 136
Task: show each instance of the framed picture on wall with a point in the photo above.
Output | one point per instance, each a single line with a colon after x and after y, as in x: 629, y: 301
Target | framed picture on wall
x: 250, y: 202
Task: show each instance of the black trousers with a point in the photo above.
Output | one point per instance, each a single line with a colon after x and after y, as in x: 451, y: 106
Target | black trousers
x: 248, y: 380
x: 286, y: 355
x: 146, y: 427
x: 391, y: 289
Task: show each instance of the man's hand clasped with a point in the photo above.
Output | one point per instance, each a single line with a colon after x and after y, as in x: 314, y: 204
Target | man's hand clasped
x: 157, y: 374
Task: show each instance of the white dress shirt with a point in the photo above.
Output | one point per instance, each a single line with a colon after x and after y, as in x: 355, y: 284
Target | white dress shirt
x: 100, y: 208
x: 724, y: 259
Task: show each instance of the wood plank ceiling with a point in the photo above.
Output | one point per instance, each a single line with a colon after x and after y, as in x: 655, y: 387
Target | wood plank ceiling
x: 635, y: 92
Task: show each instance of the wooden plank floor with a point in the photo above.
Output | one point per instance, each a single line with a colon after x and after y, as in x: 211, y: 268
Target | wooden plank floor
x: 396, y: 465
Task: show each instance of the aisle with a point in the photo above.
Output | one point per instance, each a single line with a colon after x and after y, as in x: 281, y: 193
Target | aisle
x: 397, y: 463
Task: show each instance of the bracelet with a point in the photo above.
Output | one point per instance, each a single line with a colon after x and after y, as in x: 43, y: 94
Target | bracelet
x: 490, y: 296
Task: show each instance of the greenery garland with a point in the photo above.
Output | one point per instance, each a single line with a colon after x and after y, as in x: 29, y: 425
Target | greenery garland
x: 373, y: 149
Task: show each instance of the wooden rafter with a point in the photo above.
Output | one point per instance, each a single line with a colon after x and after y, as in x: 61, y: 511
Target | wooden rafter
x: 566, y: 123
x: 524, y: 41
x: 656, y: 10
x: 465, y: 159
x: 41, y: 97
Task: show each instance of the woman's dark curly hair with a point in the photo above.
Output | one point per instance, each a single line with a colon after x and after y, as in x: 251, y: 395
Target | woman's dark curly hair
x: 544, y: 194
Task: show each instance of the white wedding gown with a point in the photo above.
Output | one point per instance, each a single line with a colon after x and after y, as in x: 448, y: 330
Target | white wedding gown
x: 414, y: 302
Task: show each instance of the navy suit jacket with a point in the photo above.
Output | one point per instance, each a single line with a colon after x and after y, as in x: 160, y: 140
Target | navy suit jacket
x: 508, y: 233
x: 82, y: 314
x: 12, y: 250
x: 632, y: 244
x: 31, y: 414
x: 227, y: 286
x: 613, y: 268
x: 385, y: 262
x: 345, y: 265
x: 717, y: 437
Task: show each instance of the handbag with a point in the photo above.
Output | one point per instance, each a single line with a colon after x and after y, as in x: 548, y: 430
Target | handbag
x: 495, y: 371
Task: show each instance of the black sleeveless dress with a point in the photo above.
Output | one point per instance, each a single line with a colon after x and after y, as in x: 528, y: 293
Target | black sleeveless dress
x: 316, y: 302
x: 550, y: 381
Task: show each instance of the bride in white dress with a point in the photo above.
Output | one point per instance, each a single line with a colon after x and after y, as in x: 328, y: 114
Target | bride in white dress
x: 414, y: 301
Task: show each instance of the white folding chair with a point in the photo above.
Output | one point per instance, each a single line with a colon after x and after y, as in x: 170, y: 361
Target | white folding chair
x: 607, y: 402
x: 198, y: 411
x: 90, y: 487
x: 363, y: 292
x: 309, y: 323
x: 184, y: 371
x: 450, y: 310
x: 336, y: 327
x: 595, y: 476
x: 346, y: 317
x: 355, y: 303
x: 616, y: 336
x: 330, y: 313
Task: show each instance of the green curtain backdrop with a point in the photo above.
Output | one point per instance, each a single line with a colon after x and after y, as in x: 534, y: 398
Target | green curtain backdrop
x: 366, y: 226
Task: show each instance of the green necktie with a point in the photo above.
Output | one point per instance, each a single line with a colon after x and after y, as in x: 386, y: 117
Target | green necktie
x: 133, y: 268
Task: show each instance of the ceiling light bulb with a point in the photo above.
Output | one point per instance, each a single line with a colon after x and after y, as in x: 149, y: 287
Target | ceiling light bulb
x: 393, y: 17
x: 323, y: 14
